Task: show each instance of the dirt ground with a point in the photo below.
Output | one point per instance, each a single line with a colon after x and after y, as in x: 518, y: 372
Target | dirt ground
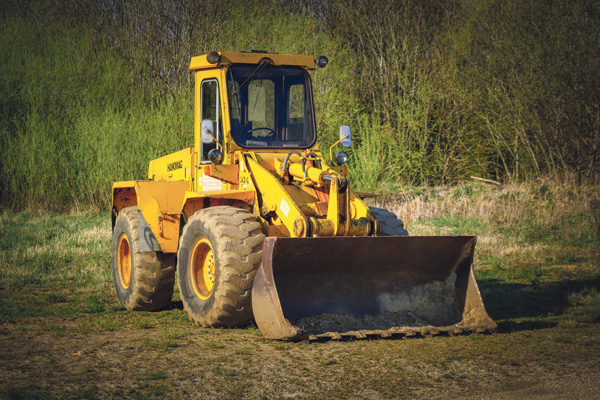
x: 189, y: 362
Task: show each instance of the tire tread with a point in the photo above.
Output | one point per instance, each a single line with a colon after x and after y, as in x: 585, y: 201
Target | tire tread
x: 239, y: 247
x: 391, y: 225
x: 154, y: 276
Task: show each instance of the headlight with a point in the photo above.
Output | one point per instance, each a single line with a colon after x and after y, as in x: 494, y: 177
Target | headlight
x: 321, y: 61
x: 213, y: 57
x: 341, y: 157
x: 215, y: 156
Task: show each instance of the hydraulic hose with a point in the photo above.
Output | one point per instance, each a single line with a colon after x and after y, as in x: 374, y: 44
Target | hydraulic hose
x: 287, y: 157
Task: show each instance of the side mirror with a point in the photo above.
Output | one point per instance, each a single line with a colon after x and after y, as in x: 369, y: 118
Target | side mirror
x: 345, y: 136
x: 207, y: 131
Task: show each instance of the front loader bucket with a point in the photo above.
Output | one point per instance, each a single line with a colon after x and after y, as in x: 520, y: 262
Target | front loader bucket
x: 334, y: 287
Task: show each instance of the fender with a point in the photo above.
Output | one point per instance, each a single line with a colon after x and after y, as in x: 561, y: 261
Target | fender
x: 159, y: 210
x: 161, y: 204
x: 194, y: 201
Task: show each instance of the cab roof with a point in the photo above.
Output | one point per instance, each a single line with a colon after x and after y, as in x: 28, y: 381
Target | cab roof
x: 200, y: 62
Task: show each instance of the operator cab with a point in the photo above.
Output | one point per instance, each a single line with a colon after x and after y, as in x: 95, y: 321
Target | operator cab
x: 270, y: 106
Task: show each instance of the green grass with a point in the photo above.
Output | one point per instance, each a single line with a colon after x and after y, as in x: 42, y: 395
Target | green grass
x: 243, y: 350
x: 48, y: 249
x: 58, y: 266
x: 160, y: 344
x: 35, y: 392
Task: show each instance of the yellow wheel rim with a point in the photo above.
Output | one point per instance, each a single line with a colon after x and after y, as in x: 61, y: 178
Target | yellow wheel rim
x: 124, y: 261
x: 203, y: 269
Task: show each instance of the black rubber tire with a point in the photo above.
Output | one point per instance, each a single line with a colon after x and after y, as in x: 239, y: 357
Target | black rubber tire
x: 152, y: 274
x: 390, y: 224
x: 237, y: 240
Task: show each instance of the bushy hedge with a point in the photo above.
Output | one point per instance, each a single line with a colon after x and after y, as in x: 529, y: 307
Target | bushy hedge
x: 434, y: 91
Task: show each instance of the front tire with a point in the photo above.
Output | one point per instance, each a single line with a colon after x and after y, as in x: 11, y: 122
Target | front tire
x: 219, y: 253
x: 143, y: 281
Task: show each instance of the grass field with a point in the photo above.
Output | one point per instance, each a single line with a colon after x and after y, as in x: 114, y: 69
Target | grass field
x: 63, y: 334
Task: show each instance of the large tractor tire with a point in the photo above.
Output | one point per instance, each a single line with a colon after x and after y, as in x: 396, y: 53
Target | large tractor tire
x: 390, y: 224
x: 219, y: 253
x: 143, y: 281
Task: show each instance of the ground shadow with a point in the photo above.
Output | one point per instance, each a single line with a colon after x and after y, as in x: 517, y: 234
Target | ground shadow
x: 176, y: 305
x: 512, y: 326
x: 510, y: 301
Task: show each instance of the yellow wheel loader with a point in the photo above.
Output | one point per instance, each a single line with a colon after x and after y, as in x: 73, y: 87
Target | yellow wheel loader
x: 260, y: 227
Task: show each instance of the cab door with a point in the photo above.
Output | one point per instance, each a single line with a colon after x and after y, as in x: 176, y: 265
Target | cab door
x: 208, y: 108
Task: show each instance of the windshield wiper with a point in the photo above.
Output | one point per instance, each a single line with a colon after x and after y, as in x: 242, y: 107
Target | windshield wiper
x: 256, y: 71
x: 235, y: 93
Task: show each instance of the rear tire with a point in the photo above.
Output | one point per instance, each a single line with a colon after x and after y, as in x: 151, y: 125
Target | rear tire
x: 390, y: 224
x: 219, y: 253
x: 143, y: 281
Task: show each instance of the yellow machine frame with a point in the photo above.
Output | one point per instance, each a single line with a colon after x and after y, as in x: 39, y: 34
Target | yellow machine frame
x: 293, y: 265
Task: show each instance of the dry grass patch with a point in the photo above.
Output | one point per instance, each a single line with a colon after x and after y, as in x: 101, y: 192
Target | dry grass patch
x: 535, y: 221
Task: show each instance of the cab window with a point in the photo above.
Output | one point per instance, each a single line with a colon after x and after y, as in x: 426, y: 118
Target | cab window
x: 296, y: 113
x: 210, y: 110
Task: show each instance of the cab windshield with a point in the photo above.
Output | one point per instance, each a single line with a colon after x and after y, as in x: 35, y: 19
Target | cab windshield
x: 270, y: 106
